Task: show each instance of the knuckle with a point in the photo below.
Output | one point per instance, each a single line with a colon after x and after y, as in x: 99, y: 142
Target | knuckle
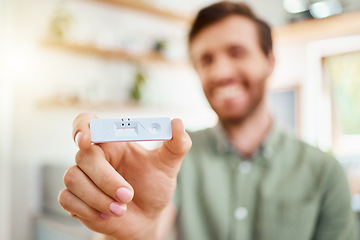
x: 74, y: 215
x: 94, y: 217
x: 185, y: 146
x: 86, y: 156
x: 70, y: 176
x: 189, y: 145
x: 80, y: 157
x: 64, y: 198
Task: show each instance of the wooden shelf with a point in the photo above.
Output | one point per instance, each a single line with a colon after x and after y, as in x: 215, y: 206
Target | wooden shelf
x: 74, y: 103
x: 147, y: 8
x: 146, y: 58
x: 316, y: 29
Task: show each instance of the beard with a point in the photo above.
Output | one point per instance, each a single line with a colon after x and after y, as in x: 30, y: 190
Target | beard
x: 238, y: 113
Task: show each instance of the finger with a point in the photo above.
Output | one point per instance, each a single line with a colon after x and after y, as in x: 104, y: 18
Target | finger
x: 176, y: 148
x: 81, y: 130
x: 76, y: 207
x: 81, y: 186
x: 93, y: 163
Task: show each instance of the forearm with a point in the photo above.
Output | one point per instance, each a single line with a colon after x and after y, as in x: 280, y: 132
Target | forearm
x: 104, y: 237
x: 151, y: 235
x: 150, y: 231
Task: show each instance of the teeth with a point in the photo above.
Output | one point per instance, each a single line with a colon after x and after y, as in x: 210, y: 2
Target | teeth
x: 228, y: 92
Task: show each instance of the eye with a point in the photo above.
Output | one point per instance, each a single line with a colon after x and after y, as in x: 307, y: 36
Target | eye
x: 206, y: 60
x: 236, y: 52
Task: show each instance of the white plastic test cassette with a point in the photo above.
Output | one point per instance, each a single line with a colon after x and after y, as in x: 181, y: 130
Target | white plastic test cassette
x: 130, y: 129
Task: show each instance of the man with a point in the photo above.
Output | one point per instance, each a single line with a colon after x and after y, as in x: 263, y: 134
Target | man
x: 243, y: 179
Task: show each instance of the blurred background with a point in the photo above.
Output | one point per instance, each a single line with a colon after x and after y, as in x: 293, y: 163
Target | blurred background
x: 128, y: 58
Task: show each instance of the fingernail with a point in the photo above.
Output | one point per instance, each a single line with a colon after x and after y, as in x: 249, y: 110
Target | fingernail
x: 117, y: 208
x: 104, y: 216
x: 124, y: 195
x: 77, y: 138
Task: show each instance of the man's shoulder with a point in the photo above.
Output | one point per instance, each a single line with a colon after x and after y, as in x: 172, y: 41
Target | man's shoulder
x: 200, y: 134
x: 306, y: 164
x: 305, y: 152
x: 204, y: 137
x: 301, y: 144
x: 205, y: 143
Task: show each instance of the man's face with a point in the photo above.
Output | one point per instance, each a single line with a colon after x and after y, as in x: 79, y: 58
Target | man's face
x: 232, y: 66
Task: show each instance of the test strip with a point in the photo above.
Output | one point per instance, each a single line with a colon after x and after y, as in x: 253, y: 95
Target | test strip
x: 130, y: 129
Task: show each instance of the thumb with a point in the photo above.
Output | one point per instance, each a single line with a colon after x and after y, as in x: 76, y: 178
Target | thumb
x: 81, y: 130
x: 174, y: 150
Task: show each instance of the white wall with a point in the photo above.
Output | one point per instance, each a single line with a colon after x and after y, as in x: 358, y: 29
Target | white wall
x: 5, y: 155
x: 6, y: 104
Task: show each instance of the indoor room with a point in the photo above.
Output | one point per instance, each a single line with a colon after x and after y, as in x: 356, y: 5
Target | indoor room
x: 133, y: 59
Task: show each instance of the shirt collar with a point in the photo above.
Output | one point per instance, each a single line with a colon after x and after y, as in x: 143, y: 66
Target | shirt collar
x: 222, y: 142
x: 267, y: 149
x: 271, y: 143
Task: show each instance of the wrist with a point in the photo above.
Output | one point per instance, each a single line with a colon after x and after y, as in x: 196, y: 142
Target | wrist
x: 150, y: 232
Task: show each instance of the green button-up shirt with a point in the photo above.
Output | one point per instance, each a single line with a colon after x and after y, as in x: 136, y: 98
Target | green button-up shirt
x: 287, y: 191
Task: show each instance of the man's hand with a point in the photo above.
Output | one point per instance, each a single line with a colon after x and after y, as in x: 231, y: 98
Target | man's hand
x: 120, y: 189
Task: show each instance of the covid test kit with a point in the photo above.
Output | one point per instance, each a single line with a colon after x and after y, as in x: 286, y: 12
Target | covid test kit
x: 130, y: 129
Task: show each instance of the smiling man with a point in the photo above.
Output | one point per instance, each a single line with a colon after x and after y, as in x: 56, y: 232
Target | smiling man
x: 243, y: 179
x: 233, y: 67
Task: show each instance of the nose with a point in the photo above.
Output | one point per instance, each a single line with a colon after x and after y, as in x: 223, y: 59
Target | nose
x: 222, y: 69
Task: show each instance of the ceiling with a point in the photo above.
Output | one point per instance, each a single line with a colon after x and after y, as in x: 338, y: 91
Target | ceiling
x: 272, y: 11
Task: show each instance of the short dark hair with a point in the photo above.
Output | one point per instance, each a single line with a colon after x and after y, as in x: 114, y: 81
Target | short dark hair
x: 218, y: 11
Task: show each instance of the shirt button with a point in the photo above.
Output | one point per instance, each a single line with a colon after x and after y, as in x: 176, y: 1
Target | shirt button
x: 268, y: 152
x: 245, y: 167
x: 240, y: 213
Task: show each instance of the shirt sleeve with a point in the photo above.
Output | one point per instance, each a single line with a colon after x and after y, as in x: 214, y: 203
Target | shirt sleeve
x: 336, y: 220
